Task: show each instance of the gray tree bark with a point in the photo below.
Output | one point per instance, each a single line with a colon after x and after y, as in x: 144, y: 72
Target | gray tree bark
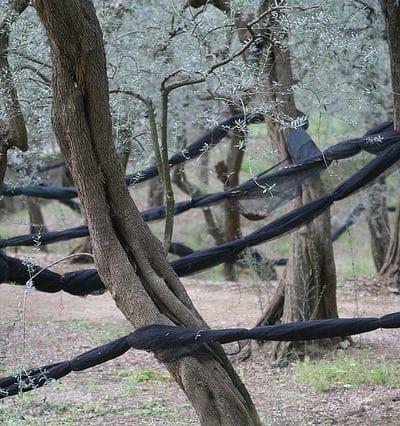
x: 35, y: 216
x: 12, y: 129
x: 308, y: 288
x: 378, y: 222
x: 391, y: 12
x: 129, y: 259
x: 228, y: 172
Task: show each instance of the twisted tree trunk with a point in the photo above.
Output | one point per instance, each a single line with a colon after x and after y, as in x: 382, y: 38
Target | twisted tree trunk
x: 129, y: 259
x: 391, y: 11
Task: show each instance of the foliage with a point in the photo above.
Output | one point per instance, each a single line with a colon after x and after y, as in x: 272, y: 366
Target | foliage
x: 338, y: 54
x: 341, y: 63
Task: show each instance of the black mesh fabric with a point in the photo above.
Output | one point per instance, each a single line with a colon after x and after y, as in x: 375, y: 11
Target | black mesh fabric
x: 273, y: 188
x: 183, y: 341
x: 229, y: 252
x: 206, y: 142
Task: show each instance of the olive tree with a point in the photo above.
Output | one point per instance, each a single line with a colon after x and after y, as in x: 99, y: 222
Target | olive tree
x: 12, y: 130
x: 129, y: 259
x: 391, y: 13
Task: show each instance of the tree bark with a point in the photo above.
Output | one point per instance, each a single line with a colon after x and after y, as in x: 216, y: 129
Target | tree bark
x: 156, y: 193
x: 129, y: 259
x: 228, y: 173
x: 308, y: 289
x: 378, y: 222
x: 390, y: 268
x: 35, y: 216
x: 12, y: 130
x: 124, y: 156
x: 391, y: 11
x: 7, y: 206
x: 84, y: 245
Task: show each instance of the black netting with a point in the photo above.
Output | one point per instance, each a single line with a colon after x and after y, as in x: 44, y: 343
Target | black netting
x: 183, y: 341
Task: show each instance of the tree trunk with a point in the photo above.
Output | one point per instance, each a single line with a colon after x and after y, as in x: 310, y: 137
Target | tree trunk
x: 35, y: 216
x: 308, y: 289
x: 390, y: 268
x: 36, y: 219
x: 378, y: 222
x: 228, y: 173
x: 129, y: 259
x: 13, y: 129
x: 7, y: 206
x: 391, y: 11
x: 124, y: 157
x: 156, y: 193
x: 84, y: 245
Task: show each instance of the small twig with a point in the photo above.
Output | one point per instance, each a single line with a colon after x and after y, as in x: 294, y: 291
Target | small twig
x: 161, y: 153
x: 45, y: 79
x: 239, y: 52
x: 59, y: 261
x: 31, y: 58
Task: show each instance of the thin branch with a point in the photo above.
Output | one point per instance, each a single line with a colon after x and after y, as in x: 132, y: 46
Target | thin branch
x: 153, y: 126
x: 227, y: 60
x: 16, y: 129
x: 169, y: 193
x: 160, y: 153
x: 31, y: 58
x: 59, y: 261
x: 45, y: 79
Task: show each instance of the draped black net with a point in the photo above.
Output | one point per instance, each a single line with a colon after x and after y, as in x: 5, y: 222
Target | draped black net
x: 176, y: 342
x: 382, y: 141
x: 274, y: 187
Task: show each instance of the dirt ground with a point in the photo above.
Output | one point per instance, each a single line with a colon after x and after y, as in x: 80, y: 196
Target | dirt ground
x: 38, y: 329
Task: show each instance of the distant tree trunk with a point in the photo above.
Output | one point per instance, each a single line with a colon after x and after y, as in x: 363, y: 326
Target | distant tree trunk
x: 7, y: 206
x: 378, y: 222
x: 308, y: 289
x: 391, y: 267
x: 228, y: 173
x: 129, y: 259
x: 35, y: 216
x: 391, y: 11
x: 204, y: 169
x: 156, y: 193
x: 126, y: 153
x: 12, y: 129
x: 84, y: 246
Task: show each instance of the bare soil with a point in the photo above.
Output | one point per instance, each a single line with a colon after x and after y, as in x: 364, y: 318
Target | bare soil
x: 38, y: 329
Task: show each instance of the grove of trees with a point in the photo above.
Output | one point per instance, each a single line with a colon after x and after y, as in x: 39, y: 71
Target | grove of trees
x: 109, y: 85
